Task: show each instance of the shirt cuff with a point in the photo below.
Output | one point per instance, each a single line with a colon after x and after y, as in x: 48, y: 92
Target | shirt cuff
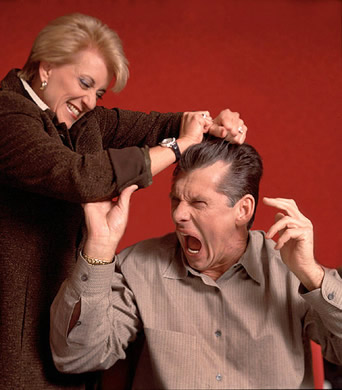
x: 131, y: 165
x: 327, y: 298
x: 91, y: 279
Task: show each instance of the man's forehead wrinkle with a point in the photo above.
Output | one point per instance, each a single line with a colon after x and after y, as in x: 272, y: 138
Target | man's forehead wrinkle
x: 189, y: 185
x: 184, y: 190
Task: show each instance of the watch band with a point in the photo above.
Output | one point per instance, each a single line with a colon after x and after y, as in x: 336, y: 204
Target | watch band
x: 175, y: 148
x: 172, y: 144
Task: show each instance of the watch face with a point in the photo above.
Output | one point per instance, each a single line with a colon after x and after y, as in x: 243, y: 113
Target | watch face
x: 167, y: 141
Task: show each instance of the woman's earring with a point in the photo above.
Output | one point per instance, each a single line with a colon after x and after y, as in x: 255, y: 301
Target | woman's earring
x: 43, y: 86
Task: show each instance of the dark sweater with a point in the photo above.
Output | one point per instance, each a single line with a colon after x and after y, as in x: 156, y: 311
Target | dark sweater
x: 46, y: 171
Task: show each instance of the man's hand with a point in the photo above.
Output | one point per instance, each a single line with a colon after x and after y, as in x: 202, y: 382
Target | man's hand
x: 106, y: 223
x: 228, y: 125
x: 295, y: 242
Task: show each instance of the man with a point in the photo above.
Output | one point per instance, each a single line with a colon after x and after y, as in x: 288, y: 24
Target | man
x: 218, y: 305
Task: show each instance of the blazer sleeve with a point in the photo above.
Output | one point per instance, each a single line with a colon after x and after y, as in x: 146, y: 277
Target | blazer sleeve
x: 33, y: 158
x: 125, y: 132
x: 125, y: 128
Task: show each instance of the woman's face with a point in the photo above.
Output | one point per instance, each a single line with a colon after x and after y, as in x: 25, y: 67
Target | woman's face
x: 73, y: 89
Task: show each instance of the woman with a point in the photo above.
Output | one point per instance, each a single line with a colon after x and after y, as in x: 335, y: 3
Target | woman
x: 57, y: 150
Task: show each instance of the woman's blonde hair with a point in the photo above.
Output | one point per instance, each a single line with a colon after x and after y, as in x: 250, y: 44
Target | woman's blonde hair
x: 67, y: 35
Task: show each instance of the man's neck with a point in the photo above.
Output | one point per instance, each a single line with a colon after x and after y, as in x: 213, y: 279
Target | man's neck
x: 229, y: 261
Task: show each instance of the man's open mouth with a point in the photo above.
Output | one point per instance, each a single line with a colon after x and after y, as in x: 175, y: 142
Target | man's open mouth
x: 193, y: 245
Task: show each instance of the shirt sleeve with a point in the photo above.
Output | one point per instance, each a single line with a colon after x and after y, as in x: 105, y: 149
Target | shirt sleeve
x: 107, y: 323
x: 323, y: 322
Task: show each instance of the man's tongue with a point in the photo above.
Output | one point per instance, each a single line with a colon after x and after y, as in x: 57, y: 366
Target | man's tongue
x: 194, y: 245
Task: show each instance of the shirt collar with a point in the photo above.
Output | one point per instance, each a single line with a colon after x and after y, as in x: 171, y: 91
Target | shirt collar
x: 176, y: 268
x: 34, y: 96
x: 251, y: 260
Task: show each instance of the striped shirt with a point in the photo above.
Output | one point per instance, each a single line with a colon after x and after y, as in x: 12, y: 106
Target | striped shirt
x: 248, y: 329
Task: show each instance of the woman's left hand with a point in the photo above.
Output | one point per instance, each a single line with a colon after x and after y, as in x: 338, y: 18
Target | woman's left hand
x: 194, y: 125
x: 230, y: 126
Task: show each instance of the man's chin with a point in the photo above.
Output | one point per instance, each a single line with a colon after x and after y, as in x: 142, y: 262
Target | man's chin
x: 194, y: 261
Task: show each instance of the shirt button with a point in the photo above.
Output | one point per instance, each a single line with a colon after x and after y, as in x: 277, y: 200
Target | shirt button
x: 218, y: 333
x: 78, y: 323
x: 219, y: 377
x: 84, y: 278
x: 331, y: 296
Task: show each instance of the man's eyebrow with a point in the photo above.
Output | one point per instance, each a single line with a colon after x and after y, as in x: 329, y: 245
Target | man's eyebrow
x: 200, y: 198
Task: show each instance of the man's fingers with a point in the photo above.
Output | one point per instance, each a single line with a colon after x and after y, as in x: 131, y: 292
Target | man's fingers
x: 278, y: 226
x: 288, y: 205
x: 286, y: 236
x: 291, y: 234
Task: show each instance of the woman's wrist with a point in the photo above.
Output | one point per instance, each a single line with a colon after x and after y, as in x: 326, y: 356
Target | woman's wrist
x: 184, y: 143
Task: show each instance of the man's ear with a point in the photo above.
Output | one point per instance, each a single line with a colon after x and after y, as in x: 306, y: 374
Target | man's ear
x: 244, y: 210
x: 44, y: 70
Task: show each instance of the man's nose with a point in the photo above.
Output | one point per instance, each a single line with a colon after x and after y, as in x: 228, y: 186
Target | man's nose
x: 180, y: 213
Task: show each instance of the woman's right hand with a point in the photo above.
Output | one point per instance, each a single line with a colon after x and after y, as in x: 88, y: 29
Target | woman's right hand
x: 193, y: 126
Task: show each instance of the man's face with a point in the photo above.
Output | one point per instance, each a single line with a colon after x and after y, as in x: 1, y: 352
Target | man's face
x: 205, y: 224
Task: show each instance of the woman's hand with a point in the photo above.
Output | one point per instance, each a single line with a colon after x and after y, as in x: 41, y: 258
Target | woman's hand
x: 193, y: 126
x: 106, y: 223
x: 230, y: 126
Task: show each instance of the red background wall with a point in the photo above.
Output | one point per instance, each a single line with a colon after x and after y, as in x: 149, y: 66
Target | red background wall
x: 277, y: 62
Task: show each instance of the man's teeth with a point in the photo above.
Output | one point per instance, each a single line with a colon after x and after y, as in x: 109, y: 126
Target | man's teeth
x: 73, y: 109
x: 192, y: 251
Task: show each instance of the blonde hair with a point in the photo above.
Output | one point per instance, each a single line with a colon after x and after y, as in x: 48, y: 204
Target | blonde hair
x: 67, y: 35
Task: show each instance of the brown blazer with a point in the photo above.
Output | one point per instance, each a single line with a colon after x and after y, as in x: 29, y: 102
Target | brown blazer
x: 46, y: 171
